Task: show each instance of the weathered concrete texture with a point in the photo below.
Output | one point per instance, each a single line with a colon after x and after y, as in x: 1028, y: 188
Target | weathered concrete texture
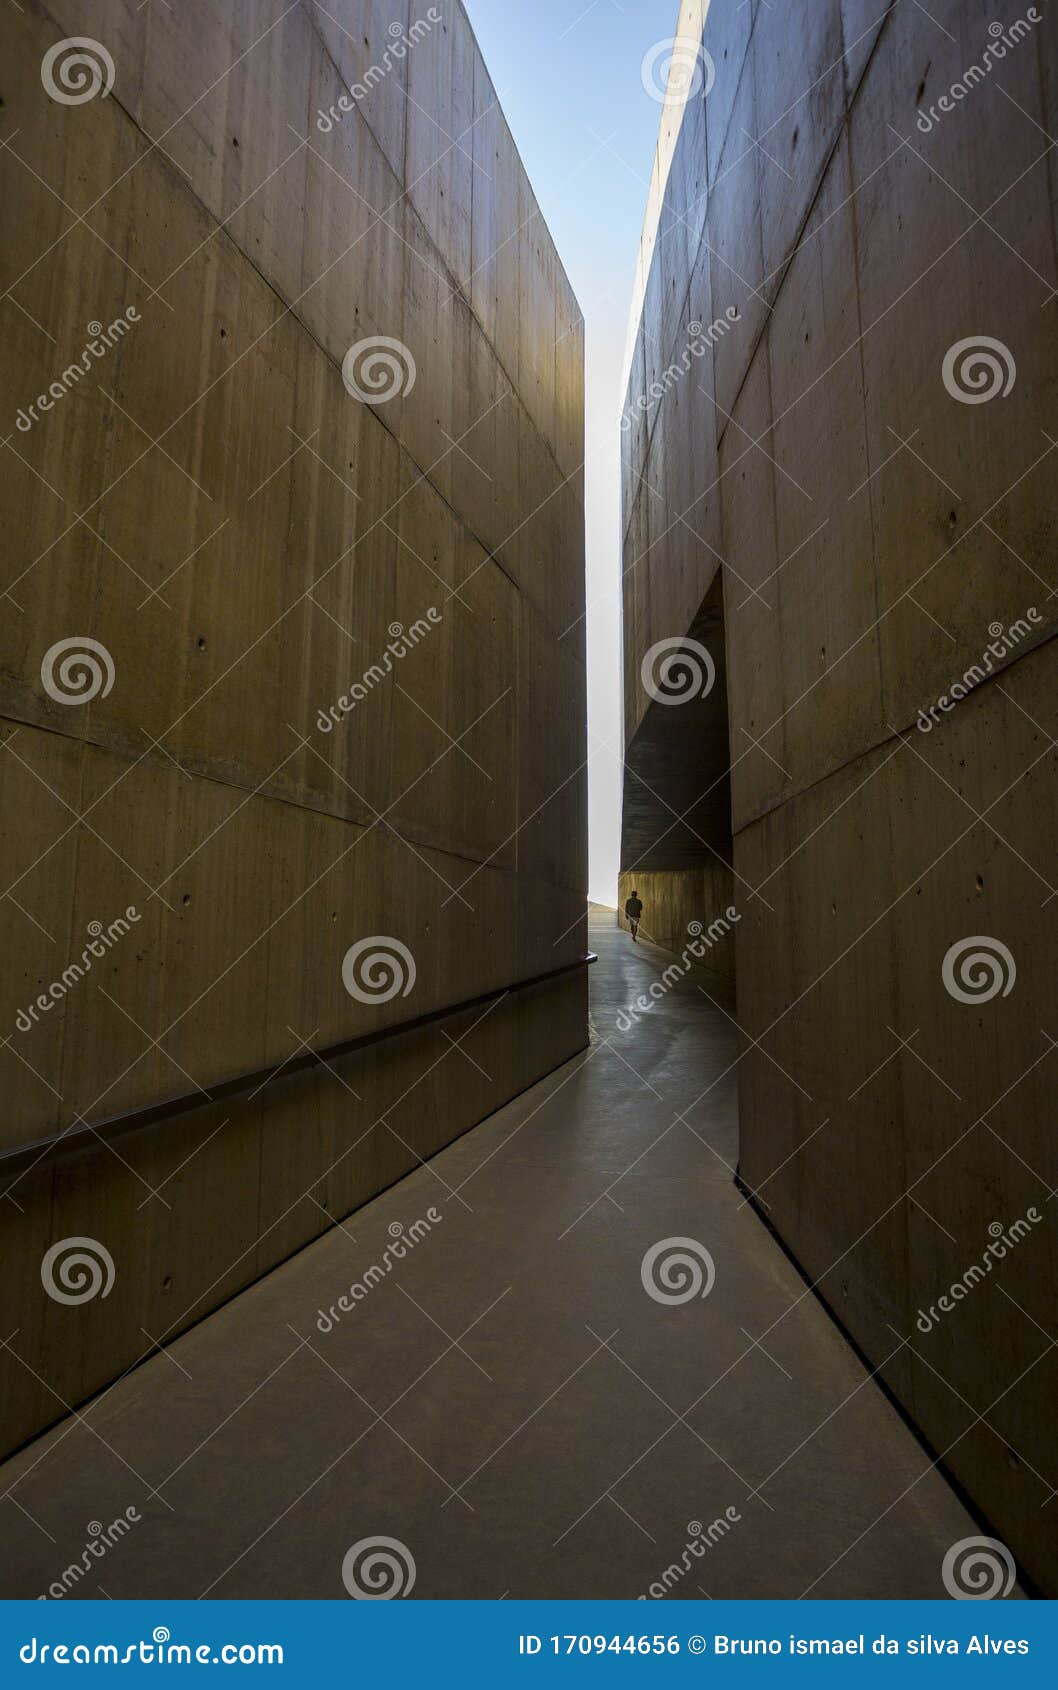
x: 247, y: 540
x: 877, y: 536
x: 500, y: 1393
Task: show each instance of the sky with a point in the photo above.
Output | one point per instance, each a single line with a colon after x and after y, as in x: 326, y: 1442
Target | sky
x: 568, y: 75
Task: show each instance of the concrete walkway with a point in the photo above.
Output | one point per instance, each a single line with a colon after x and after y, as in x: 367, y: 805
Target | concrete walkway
x: 509, y: 1402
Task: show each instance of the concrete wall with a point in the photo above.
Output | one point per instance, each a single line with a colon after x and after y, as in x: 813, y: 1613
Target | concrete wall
x: 874, y: 534
x: 246, y: 538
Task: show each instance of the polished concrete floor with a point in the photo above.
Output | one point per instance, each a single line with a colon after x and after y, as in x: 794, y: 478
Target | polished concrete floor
x: 510, y: 1403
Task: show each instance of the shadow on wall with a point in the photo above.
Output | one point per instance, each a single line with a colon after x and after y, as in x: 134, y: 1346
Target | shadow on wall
x: 676, y: 832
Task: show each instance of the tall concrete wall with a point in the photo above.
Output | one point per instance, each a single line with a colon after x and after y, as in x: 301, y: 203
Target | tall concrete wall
x: 882, y: 527
x: 246, y: 533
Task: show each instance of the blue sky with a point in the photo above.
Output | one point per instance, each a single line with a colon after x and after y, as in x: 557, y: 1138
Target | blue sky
x: 568, y: 76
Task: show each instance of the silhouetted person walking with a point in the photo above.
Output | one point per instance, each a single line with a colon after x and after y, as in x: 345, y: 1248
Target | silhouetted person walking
x: 633, y: 910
